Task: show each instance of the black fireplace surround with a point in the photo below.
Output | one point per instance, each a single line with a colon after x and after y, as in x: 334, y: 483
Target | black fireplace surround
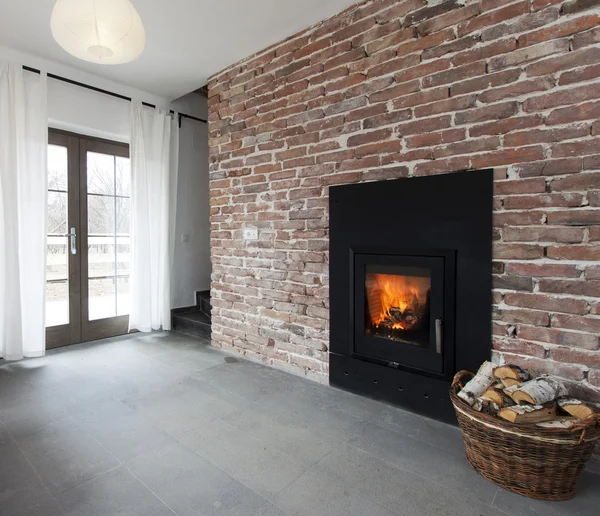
x: 410, y: 273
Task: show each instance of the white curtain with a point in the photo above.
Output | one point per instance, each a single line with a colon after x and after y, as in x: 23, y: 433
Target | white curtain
x: 154, y: 155
x: 23, y: 177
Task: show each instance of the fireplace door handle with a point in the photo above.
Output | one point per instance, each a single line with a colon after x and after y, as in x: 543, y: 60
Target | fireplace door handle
x: 438, y: 335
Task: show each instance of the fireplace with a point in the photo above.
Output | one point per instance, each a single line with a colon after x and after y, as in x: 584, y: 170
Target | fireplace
x: 402, y: 306
x: 410, y: 273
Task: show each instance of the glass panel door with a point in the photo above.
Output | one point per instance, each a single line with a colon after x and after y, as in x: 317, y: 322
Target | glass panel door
x: 106, y: 240
x: 88, y: 239
x: 57, y: 258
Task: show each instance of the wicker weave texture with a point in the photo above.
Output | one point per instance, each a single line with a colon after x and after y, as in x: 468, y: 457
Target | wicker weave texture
x: 538, y: 463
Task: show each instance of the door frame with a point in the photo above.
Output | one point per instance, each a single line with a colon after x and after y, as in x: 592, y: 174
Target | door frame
x: 80, y: 328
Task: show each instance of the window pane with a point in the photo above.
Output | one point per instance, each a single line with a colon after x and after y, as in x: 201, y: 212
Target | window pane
x: 57, y: 251
x: 57, y: 284
x: 123, y: 216
x: 123, y: 295
x: 57, y: 213
x: 123, y: 179
x: 123, y: 254
x: 101, y: 256
x: 57, y: 304
x: 57, y: 167
x: 101, y: 215
x: 102, y: 299
x: 100, y: 173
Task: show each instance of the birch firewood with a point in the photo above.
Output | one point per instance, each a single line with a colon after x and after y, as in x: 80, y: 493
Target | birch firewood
x: 537, y: 392
x: 529, y: 413
x: 575, y: 407
x: 562, y: 423
x: 497, y: 395
x: 478, y: 384
x: 486, y: 406
x: 513, y: 372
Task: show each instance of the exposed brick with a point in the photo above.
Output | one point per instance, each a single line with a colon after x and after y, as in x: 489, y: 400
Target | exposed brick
x: 572, y: 287
x: 581, y: 217
x: 438, y: 23
x: 560, y: 30
x: 575, y: 59
x: 494, y: 17
x: 543, y: 270
x: 509, y: 156
x: 485, y: 82
x: 523, y: 202
x: 548, y: 303
x: 517, y: 89
x: 444, y: 106
x: 585, y: 111
x: 559, y: 337
x: 546, y: 136
x: 589, y: 37
x: 549, y: 167
x: 527, y: 54
x: 518, y: 252
x: 395, y: 89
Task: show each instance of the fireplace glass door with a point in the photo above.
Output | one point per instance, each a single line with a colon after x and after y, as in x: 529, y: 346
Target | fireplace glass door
x: 400, y: 310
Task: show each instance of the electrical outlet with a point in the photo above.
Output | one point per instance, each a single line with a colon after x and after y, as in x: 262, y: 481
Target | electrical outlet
x: 185, y: 238
x: 250, y: 234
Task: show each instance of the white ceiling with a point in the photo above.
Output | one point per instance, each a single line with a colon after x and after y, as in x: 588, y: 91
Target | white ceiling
x: 187, y: 40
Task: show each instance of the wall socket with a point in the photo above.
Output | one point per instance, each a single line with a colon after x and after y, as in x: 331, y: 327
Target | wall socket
x: 250, y: 234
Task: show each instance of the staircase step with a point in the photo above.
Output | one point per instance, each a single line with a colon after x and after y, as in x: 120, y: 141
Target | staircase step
x: 195, y: 324
x: 203, y: 302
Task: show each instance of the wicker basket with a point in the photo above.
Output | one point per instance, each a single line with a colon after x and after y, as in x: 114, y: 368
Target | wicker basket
x: 528, y: 460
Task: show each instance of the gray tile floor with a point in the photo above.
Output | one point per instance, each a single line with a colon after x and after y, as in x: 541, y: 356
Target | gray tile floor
x: 162, y: 424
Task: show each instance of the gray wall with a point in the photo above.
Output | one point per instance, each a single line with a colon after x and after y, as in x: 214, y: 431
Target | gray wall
x: 191, y: 266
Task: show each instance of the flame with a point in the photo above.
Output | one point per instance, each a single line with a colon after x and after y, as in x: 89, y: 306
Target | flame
x: 388, y: 293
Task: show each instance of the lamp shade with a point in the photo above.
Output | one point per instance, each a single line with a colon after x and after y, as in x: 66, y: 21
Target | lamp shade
x: 100, y: 31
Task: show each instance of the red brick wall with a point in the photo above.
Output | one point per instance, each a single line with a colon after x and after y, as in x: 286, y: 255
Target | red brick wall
x: 391, y: 89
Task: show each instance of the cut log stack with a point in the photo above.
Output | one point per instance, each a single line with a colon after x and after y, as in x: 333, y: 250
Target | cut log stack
x: 516, y: 395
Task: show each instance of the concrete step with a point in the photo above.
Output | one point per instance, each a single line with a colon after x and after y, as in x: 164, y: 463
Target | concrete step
x: 203, y: 302
x: 195, y: 323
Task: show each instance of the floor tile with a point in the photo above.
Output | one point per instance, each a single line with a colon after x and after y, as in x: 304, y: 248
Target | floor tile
x: 191, y: 359
x: 585, y: 503
x: 191, y: 485
x: 121, y: 430
x: 445, y: 468
x: 283, y: 434
x: 320, y: 417
x: 398, y: 490
x: 21, y: 491
x: 112, y: 493
x: 422, y: 429
x: 315, y: 493
x: 154, y: 423
x: 64, y: 455
x: 248, y: 460
x: 180, y: 407
x: 270, y: 510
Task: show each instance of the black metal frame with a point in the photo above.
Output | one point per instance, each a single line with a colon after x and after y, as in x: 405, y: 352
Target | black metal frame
x: 109, y: 93
x: 424, y: 360
x: 448, y: 216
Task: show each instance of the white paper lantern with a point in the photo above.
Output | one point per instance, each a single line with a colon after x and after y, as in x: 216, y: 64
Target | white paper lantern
x: 100, y: 31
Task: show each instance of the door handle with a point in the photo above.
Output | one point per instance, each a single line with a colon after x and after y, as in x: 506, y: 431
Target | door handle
x: 73, y: 238
x: 438, y: 335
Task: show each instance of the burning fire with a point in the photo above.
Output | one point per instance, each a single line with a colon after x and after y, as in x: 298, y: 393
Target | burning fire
x: 396, y: 301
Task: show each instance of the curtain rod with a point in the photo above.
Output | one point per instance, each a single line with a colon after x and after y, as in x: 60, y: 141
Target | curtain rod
x: 110, y: 93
